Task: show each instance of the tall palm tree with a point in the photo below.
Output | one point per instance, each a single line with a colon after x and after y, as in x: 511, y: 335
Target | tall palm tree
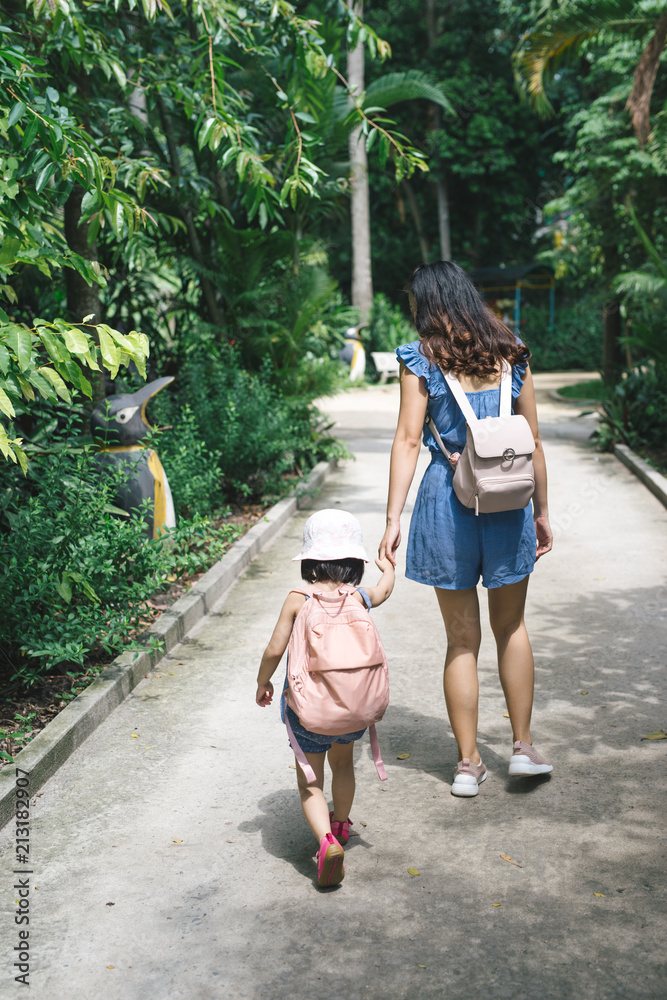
x: 559, y: 34
x: 383, y: 93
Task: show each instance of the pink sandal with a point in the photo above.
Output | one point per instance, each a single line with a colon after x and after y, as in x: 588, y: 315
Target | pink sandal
x: 330, y: 868
x: 341, y: 829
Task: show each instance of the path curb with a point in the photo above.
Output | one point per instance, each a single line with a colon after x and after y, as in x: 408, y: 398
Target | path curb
x: 42, y: 757
x: 649, y: 476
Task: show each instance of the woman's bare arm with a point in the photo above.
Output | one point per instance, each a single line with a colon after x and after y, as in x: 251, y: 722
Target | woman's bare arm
x: 404, y: 455
x: 526, y: 406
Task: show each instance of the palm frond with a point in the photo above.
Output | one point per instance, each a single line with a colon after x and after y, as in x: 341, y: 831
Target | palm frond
x: 409, y: 86
x: 641, y: 284
x: 558, y: 37
x: 646, y: 241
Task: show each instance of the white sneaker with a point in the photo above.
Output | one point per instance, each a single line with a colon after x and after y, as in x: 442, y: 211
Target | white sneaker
x: 526, y: 761
x: 468, y: 777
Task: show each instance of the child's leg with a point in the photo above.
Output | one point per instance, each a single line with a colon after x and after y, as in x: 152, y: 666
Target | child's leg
x: 341, y: 762
x: 313, y: 803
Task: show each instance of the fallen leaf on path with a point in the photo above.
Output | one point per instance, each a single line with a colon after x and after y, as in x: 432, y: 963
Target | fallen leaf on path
x: 421, y: 966
x: 584, y: 692
x: 413, y: 871
x: 660, y: 735
x: 111, y: 966
x: 148, y: 748
x: 178, y: 841
x: 402, y: 756
x: 135, y: 736
x: 364, y: 824
x: 111, y: 904
x: 292, y: 766
x: 600, y: 894
x: 506, y: 715
x: 230, y: 841
x: 506, y: 857
x: 599, y: 577
x: 496, y: 904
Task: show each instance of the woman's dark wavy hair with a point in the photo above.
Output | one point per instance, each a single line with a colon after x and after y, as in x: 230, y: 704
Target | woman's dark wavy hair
x: 457, y: 329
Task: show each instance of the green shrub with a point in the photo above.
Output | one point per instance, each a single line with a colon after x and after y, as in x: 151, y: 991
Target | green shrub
x: 575, y: 344
x: 75, y: 574
x: 193, y: 469
x: 636, y: 410
x: 389, y: 326
x: 260, y: 439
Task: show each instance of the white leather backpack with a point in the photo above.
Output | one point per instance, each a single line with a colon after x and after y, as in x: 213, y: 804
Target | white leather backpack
x: 495, y: 470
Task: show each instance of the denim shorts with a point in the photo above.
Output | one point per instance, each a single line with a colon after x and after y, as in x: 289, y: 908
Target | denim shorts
x: 313, y: 742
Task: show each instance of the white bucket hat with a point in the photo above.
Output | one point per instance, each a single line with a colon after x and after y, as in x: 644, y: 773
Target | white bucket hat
x: 330, y: 535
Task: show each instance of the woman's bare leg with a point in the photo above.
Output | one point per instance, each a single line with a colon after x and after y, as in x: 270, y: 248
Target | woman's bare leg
x: 515, y: 656
x: 341, y: 761
x: 460, y: 613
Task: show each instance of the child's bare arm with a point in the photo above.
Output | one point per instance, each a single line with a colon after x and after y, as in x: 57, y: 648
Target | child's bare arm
x: 273, y: 653
x: 383, y: 588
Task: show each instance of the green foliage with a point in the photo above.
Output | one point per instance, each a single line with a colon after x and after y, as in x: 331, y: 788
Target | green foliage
x: 636, y: 411
x: 49, y: 358
x: 389, y: 326
x: 75, y: 575
x: 595, y: 389
x: 260, y: 439
x: 559, y: 35
x: 492, y: 155
x: 192, y: 468
x: 575, y: 343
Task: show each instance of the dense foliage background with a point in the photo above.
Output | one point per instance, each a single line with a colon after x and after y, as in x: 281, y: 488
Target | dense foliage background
x: 175, y: 199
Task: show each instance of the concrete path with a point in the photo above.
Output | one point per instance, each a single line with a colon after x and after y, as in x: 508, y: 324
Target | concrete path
x: 171, y: 860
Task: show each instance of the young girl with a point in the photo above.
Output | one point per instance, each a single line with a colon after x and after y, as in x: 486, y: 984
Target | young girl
x: 332, y: 555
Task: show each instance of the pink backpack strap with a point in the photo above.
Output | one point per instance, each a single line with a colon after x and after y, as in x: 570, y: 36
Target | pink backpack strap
x: 308, y: 772
x: 375, y: 750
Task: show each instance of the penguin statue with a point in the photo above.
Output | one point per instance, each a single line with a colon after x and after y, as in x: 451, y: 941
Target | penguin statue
x: 119, y: 425
x: 353, y: 353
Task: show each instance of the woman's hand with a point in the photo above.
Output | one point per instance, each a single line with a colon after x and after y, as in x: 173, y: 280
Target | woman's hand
x: 390, y: 542
x: 264, y: 695
x: 544, y: 535
x: 454, y: 459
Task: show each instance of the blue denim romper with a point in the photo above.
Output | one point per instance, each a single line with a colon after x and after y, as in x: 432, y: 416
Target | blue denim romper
x: 448, y: 545
x: 317, y: 742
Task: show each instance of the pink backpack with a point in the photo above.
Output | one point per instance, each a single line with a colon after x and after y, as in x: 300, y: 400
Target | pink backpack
x: 338, y: 680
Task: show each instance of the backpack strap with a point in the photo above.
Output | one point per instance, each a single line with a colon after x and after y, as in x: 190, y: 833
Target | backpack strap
x: 365, y: 597
x: 375, y: 750
x: 308, y: 772
x: 436, y: 434
x: 464, y: 402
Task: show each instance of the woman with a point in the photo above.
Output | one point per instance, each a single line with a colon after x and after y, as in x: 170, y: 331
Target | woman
x: 449, y: 546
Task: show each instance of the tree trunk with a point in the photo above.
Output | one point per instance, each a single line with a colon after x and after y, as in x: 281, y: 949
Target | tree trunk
x: 82, y: 299
x: 362, y: 281
x: 215, y: 311
x: 639, y: 101
x: 442, y: 192
x: 406, y: 186
x: 443, y: 218
x: 612, y: 357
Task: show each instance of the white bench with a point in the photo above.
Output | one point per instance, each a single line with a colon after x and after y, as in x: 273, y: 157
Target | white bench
x: 386, y: 364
